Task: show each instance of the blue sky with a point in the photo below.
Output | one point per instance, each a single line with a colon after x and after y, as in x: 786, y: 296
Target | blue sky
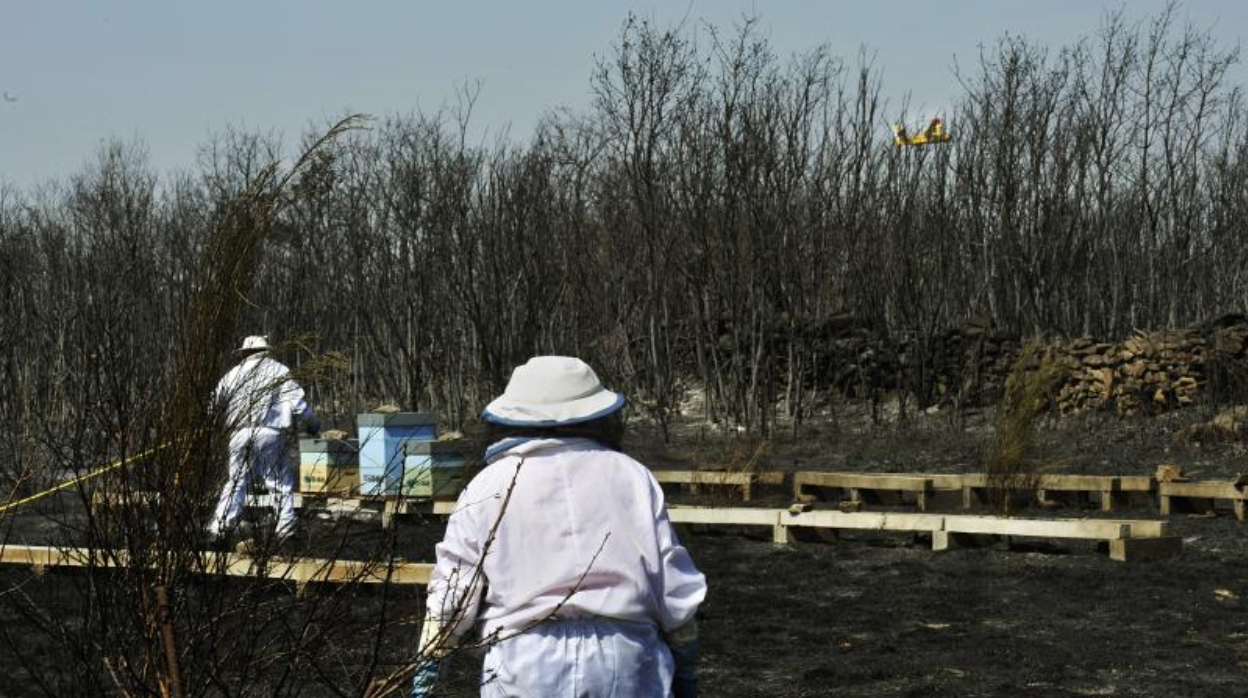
x: 171, y: 73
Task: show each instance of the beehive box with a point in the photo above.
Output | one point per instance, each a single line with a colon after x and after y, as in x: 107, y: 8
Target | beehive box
x: 381, y: 447
x: 329, y: 467
x: 433, y: 470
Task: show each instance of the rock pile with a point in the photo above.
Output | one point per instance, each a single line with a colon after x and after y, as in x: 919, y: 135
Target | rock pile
x: 1150, y: 371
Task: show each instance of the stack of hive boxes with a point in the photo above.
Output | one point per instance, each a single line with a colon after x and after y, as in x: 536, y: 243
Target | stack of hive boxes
x: 395, y: 454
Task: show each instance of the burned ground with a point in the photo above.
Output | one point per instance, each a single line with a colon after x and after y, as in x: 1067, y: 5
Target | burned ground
x: 868, y: 615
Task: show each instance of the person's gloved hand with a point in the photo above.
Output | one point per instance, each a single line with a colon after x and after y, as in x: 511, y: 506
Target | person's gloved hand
x: 433, y: 655
x: 312, y: 426
x: 685, y: 646
x: 426, y: 677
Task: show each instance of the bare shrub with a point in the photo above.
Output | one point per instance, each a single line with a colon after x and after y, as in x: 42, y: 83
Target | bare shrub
x: 1013, y: 477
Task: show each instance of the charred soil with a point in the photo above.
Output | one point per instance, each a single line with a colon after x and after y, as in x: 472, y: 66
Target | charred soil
x: 868, y: 615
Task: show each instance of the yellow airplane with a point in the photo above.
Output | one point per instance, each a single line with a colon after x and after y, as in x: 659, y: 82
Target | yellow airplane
x: 934, y: 133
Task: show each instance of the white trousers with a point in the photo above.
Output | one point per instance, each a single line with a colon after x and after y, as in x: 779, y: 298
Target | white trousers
x: 580, y: 658
x: 259, y: 452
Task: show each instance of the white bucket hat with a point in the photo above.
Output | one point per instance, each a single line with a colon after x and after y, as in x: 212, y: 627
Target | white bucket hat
x: 550, y: 391
x: 253, y: 344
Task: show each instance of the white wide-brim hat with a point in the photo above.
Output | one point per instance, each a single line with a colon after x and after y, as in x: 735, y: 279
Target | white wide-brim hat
x: 551, y: 391
x: 254, y: 344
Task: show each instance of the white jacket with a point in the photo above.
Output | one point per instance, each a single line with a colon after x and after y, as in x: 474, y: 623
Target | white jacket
x: 580, y: 531
x: 259, y: 392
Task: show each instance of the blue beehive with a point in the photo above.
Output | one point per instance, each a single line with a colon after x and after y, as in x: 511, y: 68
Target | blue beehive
x: 381, y: 447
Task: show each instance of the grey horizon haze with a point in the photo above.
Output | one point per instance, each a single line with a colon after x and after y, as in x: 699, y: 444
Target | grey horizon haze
x: 75, y: 74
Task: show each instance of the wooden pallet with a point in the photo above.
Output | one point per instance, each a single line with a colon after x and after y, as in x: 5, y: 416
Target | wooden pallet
x: 301, y: 571
x: 694, y: 479
x: 1124, y: 537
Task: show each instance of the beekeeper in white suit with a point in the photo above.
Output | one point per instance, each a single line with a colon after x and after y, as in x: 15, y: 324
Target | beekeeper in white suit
x: 561, y: 551
x: 262, y: 404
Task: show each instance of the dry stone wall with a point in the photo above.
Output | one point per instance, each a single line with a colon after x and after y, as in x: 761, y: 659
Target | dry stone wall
x: 1152, y: 371
x: 1148, y: 372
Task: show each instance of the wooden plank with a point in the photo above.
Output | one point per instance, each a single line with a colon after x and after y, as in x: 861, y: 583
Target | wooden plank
x: 1093, y: 529
x: 956, y: 481
x: 865, y: 481
x: 1202, y: 493
x: 1204, y: 489
x: 1142, y: 549
x: 830, y: 520
x: 726, y: 516
x: 864, y: 520
x: 745, y: 516
x: 701, y: 477
x: 1077, y: 483
x: 232, y: 564
x: 1120, y: 549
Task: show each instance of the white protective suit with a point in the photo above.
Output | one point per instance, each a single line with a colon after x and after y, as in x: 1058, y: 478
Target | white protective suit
x: 262, y: 403
x: 582, y: 578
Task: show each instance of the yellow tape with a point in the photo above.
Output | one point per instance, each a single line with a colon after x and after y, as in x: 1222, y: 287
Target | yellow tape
x: 82, y: 478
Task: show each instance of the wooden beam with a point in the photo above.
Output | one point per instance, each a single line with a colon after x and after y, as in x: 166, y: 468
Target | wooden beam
x: 1094, y: 529
x: 701, y: 477
x: 1087, y: 529
x: 725, y: 516
x: 1204, y: 489
x: 866, y: 481
x: 864, y: 520
x: 301, y: 571
x: 1077, y: 483
x: 865, y: 486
